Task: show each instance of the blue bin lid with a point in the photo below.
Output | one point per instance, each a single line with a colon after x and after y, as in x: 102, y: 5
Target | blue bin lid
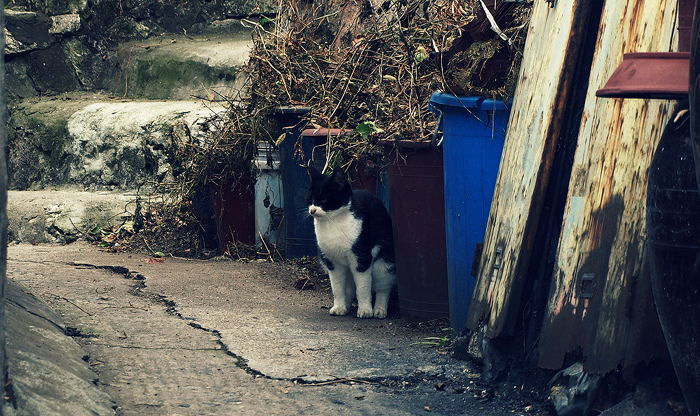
x: 444, y: 99
x: 440, y: 98
x: 496, y: 105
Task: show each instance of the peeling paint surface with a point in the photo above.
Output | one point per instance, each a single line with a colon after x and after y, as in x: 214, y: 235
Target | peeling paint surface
x: 534, y: 125
x: 600, y: 282
x: 602, y: 233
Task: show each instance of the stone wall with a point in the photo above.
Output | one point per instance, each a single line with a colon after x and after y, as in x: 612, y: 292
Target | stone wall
x: 75, y: 67
x: 61, y: 46
x: 96, y: 143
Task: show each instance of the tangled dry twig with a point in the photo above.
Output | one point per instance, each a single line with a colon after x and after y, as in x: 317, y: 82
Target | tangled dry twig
x: 353, y: 62
x: 367, y: 67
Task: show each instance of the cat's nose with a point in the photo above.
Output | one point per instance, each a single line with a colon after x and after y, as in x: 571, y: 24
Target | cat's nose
x: 312, y: 211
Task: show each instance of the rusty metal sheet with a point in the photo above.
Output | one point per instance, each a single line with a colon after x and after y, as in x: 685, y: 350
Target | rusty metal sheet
x: 545, y: 81
x: 600, y: 289
x: 650, y: 75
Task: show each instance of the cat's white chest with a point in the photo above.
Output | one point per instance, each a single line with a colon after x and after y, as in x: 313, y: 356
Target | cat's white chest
x: 337, y: 235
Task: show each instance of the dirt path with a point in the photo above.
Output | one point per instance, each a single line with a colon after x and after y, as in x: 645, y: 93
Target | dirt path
x: 186, y: 337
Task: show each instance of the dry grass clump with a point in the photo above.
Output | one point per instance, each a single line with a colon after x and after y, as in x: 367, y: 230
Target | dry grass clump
x: 351, y: 62
x: 363, y: 65
x: 374, y: 66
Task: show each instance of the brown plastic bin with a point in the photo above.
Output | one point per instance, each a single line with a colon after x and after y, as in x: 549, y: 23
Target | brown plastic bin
x: 416, y: 194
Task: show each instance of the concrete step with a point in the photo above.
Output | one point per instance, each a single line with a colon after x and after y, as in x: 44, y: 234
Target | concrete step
x: 97, y: 143
x: 181, y: 67
x: 75, y: 159
x: 160, y: 92
x: 63, y: 216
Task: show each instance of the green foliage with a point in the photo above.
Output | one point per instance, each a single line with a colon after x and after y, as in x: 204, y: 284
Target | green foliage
x: 36, y: 149
x: 367, y: 128
x: 441, y: 341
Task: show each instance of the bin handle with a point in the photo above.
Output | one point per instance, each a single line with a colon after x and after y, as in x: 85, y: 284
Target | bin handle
x: 437, y: 143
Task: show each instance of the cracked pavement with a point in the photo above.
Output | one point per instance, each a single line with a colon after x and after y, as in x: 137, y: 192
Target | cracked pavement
x: 192, y: 337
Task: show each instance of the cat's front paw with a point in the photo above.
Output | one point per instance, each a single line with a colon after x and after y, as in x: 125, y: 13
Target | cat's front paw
x: 365, y: 313
x: 338, y: 310
x: 380, y: 313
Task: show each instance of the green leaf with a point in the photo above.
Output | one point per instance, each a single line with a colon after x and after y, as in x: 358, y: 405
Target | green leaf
x: 421, y: 54
x: 366, y: 128
x: 127, y: 226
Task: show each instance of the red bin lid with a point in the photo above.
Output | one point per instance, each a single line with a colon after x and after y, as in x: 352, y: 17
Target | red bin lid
x: 323, y: 132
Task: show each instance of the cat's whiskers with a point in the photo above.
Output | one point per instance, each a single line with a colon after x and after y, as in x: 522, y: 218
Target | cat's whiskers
x: 304, y: 213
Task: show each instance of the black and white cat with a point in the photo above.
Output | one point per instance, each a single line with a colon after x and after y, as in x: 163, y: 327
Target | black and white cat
x: 353, y: 231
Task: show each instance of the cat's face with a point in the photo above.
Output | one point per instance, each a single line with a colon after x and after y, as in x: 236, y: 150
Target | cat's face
x: 327, y: 193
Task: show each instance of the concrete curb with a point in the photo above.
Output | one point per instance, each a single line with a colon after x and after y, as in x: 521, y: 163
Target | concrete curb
x: 47, y: 369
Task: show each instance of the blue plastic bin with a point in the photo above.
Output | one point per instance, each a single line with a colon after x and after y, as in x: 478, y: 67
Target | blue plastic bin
x: 474, y: 131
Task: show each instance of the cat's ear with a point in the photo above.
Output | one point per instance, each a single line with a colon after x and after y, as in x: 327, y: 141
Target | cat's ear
x: 339, y: 177
x: 313, y: 171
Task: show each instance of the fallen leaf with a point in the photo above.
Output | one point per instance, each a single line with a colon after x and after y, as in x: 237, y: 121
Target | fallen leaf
x: 127, y: 226
x: 154, y: 260
x: 426, y: 408
x: 421, y: 54
x: 366, y: 128
x: 283, y: 390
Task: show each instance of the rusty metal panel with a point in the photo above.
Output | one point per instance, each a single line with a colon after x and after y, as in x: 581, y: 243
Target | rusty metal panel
x: 545, y: 81
x: 600, y: 260
x: 655, y: 75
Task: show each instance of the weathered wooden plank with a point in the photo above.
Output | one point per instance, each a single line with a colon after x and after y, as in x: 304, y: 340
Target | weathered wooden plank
x: 601, y: 249
x: 545, y: 81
